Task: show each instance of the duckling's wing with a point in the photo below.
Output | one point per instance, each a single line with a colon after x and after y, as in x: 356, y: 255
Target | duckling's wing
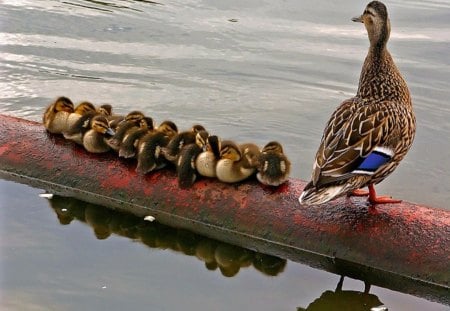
x: 359, y: 139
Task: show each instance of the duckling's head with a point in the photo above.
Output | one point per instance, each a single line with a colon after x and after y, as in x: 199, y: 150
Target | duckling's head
x: 100, y: 124
x: 134, y: 116
x: 229, y: 150
x: 376, y: 20
x: 168, y: 128
x: 84, y: 107
x: 197, y: 128
x: 105, y: 109
x: 273, y: 146
x: 201, y: 139
x: 146, y: 123
x: 63, y: 104
x: 213, y: 145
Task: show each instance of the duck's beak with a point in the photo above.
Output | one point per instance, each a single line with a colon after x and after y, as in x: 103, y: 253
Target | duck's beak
x: 358, y: 19
x: 110, y: 131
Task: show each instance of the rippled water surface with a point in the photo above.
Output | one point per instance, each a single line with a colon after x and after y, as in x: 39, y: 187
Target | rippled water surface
x: 248, y: 70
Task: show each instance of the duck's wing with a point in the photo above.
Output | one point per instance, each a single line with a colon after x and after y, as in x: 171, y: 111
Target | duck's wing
x: 359, y: 138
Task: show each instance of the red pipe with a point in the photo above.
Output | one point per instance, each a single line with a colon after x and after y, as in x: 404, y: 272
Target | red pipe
x: 394, y: 243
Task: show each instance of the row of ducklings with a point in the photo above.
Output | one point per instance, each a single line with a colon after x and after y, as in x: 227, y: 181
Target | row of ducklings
x: 193, y: 152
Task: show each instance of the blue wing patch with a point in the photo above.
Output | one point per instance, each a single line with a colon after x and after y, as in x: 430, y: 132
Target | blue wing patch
x: 373, y: 161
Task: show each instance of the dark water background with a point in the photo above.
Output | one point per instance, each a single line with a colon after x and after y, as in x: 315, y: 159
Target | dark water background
x: 247, y: 70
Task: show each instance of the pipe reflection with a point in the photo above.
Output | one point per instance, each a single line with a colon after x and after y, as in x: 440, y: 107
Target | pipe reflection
x: 346, y: 300
x: 216, y: 255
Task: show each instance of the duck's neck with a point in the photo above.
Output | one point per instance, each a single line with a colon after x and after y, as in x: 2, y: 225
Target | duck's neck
x: 380, y: 79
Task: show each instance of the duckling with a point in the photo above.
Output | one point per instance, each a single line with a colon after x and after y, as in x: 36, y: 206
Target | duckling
x: 131, y: 120
x: 186, y: 170
x: 94, y: 138
x: 56, y: 114
x: 130, y: 140
x: 149, y: 147
x: 272, y: 165
x: 81, y: 109
x: 78, y: 122
x: 368, y: 135
x: 234, y: 166
x: 178, y: 141
x: 206, y: 161
x: 105, y: 109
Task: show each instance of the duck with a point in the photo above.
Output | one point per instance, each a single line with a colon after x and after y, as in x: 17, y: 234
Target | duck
x: 106, y: 110
x: 78, y: 122
x: 186, y: 168
x: 129, y: 143
x: 272, y: 165
x: 56, y: 114
x: 94, y: 140
x: 235, y: 163
x: 367, y: 135
x: 132, y: 119
x: 149, y: 147
x: 184, y: 138
x: 206, y: 161
x: 81, y: 109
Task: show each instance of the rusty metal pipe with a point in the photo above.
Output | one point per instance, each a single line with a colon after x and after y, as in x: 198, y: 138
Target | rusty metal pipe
x: 403, y: 246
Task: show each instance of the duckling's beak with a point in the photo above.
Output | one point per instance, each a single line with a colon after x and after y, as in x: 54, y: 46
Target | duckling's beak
x: 110, y: 131
x: 358, y: 19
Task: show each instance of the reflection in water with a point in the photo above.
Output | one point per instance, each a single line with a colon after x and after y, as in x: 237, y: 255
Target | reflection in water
x: 229, y: 259
x: 346, y: 300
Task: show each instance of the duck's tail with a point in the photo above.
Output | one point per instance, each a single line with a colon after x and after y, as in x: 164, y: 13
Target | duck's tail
x: 313, y: 196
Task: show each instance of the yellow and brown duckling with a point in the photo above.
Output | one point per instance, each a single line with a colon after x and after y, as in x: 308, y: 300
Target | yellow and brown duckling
x: 368, y: 135
x: 78, y: 122
x: 206, y: 161
x: 106, y: 110
x: 235, y: 164
x: 272, y: 165
x: 186, y: 169
x: 133, y: 119
x: 80, y: 110
x: 94, y: 140
x: 180, y: 140
x: 129, y: 143
x: 149, y: 147
x: 56, y: 114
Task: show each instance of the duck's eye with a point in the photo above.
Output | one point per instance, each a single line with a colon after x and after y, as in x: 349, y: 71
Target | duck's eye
x: 367, y: 12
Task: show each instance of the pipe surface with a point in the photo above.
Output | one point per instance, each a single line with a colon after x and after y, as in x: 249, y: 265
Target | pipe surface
x: 402, y: 246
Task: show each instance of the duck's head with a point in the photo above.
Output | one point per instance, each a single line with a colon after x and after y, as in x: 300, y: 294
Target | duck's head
x: 84, y: 107
x: 134, y: 116
x: 63, y: 104
x: 229, y: 150
x: 105, y: 109
x: 376, y: 20
x: 201, y: 139
x: 146, y: 123
x: 273, y: 146
x: 100, y: 124
x: 197, y: 128
x: 168, y: 128
x: 213, y: 145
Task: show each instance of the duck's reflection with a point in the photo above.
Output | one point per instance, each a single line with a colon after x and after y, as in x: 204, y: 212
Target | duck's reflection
x: 226, y: 258
x: 346, y: 300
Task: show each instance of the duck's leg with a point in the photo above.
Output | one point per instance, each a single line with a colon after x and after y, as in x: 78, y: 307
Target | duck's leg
x: 358, y: 193
x: 379, y: 200
x: 372, y: 196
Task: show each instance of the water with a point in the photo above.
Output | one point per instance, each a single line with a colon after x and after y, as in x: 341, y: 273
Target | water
x: 250, y: 71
